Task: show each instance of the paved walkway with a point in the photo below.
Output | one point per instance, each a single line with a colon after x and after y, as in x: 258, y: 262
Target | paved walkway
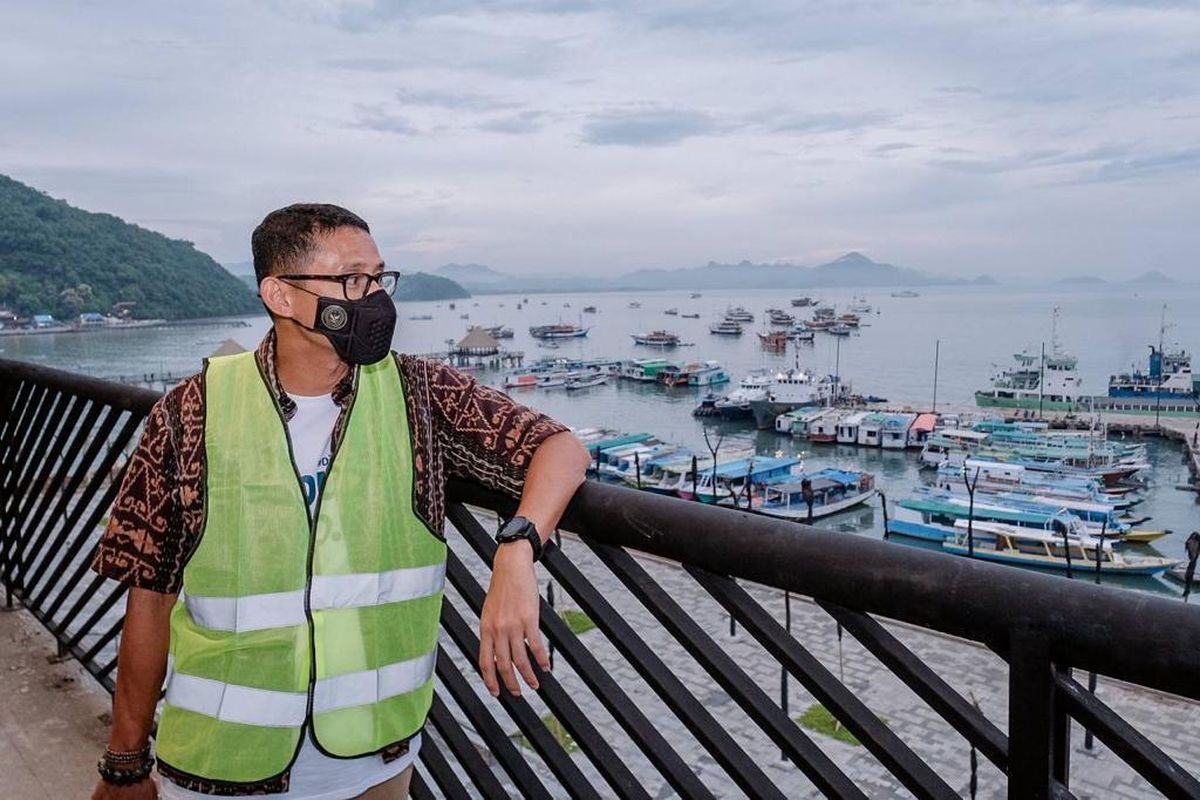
x: 53, y: 716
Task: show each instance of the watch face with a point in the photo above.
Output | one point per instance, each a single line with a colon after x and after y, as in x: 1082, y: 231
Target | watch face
x: 516, y: 526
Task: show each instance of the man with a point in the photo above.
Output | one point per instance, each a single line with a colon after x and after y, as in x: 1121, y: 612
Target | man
x: 280, y: 528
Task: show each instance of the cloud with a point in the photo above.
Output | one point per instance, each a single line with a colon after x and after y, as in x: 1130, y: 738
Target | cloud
x: 377, y: 118
x: 626, y: 133
x: 454, y: 101
x: 1172, y: 164
x: 529, y: 121
x: 829, y: 122
x: 647, y: 127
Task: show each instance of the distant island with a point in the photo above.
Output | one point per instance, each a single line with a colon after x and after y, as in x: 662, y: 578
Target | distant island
x: 853, y: 270
x: 61, y: 261
x: 1149, y: 279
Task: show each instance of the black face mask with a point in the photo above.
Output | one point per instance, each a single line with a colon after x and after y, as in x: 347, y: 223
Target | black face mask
x: 359, y: 330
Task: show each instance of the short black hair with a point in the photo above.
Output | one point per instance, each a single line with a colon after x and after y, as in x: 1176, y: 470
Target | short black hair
x: 287, y: 235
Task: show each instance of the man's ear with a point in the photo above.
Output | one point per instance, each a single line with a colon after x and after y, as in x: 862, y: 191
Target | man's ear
x: 276, y: 296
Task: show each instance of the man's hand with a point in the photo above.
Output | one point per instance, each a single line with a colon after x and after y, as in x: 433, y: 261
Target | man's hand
x: 142, y: 790
x: 509, y: 620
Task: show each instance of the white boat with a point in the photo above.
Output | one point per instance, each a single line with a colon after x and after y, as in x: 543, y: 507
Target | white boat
x: 711, y: 373
x: 777, y: 317
x: 739, y: 314
x: 562, y: 330
x: 787, y: 391
x: 726, y: 327
x: 690, y: 315
x: 905, y: 293
x: 656, y: 339
x: 893, y: 434
x: 870, y: 429
x: 802, y: 335
x: 803, y: 302
x: 840, y: 329
x: 672, y: 312
x: 585, y: 382
x: 860, y: 306
x: 823, y: 428
x: 847, y: 427
x: 1028, y: 547
x: 736, y: 404
x: 797, y: 421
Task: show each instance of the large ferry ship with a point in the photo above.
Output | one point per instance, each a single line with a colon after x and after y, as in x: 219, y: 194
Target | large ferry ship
x: 1049, y: 383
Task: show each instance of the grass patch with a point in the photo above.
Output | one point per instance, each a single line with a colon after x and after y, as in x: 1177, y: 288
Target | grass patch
x: 818, y: 718
x: 556, y: 729
x: 577, y: 621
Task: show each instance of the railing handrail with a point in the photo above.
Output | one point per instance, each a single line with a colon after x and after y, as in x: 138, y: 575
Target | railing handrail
x: 1119, y: 633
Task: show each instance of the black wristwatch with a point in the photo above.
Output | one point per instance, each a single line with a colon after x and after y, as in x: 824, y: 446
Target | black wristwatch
x: 519, y: 528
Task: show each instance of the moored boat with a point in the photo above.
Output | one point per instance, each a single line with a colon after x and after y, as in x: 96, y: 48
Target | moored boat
x: 659, y: 338
x: 832, y: 490
x: 561, y: 330
x: 726, y: 327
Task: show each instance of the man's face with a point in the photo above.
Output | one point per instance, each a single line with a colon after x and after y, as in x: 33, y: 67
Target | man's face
x: 342, y: 251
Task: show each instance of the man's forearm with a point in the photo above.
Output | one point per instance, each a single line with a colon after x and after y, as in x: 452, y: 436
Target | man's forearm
x: 141, y: 666
x: 556, y: 471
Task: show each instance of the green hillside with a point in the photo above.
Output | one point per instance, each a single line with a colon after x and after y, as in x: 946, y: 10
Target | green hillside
x: 62, y: 260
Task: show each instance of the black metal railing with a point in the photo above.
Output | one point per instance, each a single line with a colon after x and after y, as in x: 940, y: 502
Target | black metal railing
x: 659, y: 699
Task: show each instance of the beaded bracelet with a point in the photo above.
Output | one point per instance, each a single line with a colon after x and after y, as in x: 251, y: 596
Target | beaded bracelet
x: 124, y: 777
x: 125, y: 756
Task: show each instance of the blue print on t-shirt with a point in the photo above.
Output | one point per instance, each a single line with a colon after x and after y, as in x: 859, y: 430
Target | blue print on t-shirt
x: 313, y: 484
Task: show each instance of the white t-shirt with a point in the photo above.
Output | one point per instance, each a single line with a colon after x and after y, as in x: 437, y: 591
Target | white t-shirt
x: 314, y: 775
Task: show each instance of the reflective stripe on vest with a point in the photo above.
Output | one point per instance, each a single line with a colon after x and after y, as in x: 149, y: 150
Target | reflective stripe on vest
x: 281, y: 609
x: 285, y: 622
x: 249, y: 706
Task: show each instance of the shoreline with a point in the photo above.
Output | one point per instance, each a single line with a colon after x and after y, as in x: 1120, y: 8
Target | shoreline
x: 139, y: 325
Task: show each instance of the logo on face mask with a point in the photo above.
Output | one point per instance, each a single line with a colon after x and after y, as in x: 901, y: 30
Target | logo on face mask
x: 334, y: 318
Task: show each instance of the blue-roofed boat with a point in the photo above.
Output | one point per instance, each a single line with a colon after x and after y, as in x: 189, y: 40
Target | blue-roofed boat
x: 931, y: 515
x: 729, y: 479
x: 833, y: 490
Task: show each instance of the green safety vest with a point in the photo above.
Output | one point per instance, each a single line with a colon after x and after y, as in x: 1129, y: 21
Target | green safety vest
x: 285, y: 621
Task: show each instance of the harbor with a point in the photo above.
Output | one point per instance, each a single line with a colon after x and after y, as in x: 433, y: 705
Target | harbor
x: 892, y: 373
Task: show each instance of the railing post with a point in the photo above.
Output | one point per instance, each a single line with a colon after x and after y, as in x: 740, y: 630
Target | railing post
x: 1061, y: 742
x: 1031, y: 716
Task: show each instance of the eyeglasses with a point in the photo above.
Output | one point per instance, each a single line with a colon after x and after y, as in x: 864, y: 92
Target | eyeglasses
x: 355, y: 285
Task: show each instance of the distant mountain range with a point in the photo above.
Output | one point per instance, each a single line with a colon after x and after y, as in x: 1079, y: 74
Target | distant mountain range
x: 853, y: 270
x: 1148, y: 279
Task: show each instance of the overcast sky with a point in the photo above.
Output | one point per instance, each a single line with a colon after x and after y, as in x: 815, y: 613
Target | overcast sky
x: 1038, y: 139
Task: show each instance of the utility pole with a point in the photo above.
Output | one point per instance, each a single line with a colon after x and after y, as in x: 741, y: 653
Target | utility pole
x: 937, y: 351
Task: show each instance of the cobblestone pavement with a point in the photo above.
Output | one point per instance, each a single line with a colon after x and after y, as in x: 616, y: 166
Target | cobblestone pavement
x: 974, y: 671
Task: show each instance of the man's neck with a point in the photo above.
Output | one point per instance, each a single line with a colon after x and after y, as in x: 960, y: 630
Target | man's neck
x: 304, y: 367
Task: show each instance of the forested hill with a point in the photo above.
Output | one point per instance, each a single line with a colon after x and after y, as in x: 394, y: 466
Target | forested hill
x: 62, y: 260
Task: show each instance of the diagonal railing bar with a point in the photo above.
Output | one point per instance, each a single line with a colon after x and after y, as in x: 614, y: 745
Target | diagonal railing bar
x: 29, y: 489
x: 1128, y: 743
x: 102, y: 641
x: 86, y: 532
x: 68, y: 520
x: 510, y: 759
x: 536, y: 733
x: 33, y: 428
x: 744, y: 770
x: 443, y: 775
x: 565, y: 710
x: 925, y: 683
x: 80, y: 431
x: 782, y: 730
x: 98, y: 613
x: 480, y: 774
x: 877, y: 737
x: 598, y: 679
x: 15, y: 465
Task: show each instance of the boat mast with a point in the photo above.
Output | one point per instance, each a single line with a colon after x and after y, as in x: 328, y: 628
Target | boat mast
x: 1162, y: 332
